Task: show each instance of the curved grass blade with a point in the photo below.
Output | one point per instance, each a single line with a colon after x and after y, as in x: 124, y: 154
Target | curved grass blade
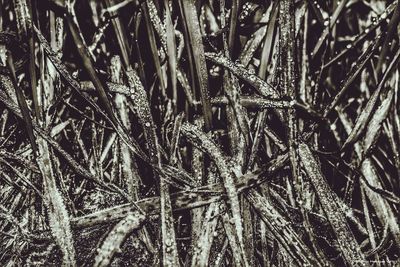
x: 199, y: 139
x: 116, y: 237
x: 240, y: 71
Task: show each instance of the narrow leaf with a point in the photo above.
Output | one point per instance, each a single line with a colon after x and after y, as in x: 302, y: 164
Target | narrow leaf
x: 58, y: 216
x: 115, y: 238
x: 22, y: 103
x: 196, y: 42
x: 366, y: 114
x: 282, y: 230
x: 375, y: 124
x: 355, y: 70
x: 239, y: 70
x: 198, y: 138
x: 347, y: 242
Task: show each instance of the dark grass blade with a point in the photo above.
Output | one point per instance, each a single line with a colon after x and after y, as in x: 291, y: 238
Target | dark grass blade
x: 121, y: 35
x: 363, y: 35
x: 23, y: 10
x: 100, y: 85
x: 235, y: 10
x: 22, y: 104
x: 332, y: 21
x: 370, y: 107
x: 358, y: 67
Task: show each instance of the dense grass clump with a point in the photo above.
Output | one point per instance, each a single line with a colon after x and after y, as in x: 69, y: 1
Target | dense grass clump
x: 199, y: 133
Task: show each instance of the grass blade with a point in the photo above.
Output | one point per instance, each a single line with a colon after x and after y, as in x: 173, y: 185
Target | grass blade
x: 282, y: 230
x: 171, y: 51
x: 240, y: 71
x: 197, y: 48
x: 205, y: 238
x: 58, y: 216
x: 332, y: 22
x: 370, y: 107
x: 358, y: 67
x: 149, y: 13
x: 90, y: 69
x: 139, y: 96
x: 374, y: 126
x: 347, y: 242
x: 198, y: 138
x: 22, y: 104
x: 116, y: 237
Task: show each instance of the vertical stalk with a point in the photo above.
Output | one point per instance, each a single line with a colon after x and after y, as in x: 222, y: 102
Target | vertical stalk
x: 288, y: 63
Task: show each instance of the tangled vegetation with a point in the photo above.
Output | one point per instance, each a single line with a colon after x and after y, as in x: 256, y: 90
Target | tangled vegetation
x: 199, y: 133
